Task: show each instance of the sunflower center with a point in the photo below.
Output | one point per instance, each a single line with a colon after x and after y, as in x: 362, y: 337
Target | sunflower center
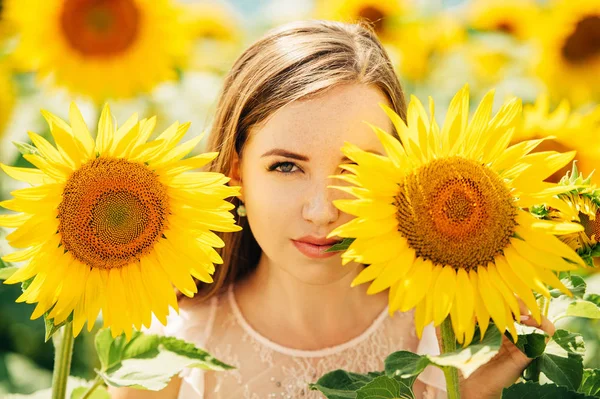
x: 455, y: 211
x: 374, y: 15
x: 584, y: 43
x: 506, y: 27
x: 591, y: 227
x: 112, y: 212
x: 100, y: 28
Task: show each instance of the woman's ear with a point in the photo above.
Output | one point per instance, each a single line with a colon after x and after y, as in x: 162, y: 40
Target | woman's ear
x: 235, y: 174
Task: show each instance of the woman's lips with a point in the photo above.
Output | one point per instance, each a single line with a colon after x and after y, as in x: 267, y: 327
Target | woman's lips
x: 314, y: 251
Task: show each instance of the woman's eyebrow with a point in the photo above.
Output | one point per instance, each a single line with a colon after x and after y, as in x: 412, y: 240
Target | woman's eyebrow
x: 285, y: 153
x: 289, y: 154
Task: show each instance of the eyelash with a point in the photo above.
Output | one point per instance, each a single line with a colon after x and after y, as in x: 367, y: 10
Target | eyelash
x: 276, y: 165
x: 273, y: 168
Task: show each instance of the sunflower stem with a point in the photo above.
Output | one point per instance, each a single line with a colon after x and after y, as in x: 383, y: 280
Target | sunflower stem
x: 451, y: 373
x: 97, y: 382
x: 63, y: 352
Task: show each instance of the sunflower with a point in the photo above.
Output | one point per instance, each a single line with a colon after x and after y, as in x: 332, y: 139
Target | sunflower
x: 100, y: 48
x: 417, y: 42
x: 583, y: 206
x: 215, y: 28
x: 570, y: 62
x: 564, y: 131
x: 513, y: 17
x: 383, y: 15
x: 111, y: 223
x: 439, y: 221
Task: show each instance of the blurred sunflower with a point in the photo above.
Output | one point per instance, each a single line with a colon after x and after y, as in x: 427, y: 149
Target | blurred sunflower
x: 439, y: 220
x: 564, y: 131
x: 583, y: 206
x: 570, y: 62
x: 100, y: 48
x: 7, y: 97
x: 111, y: 223
x: 513, y: 17
x: 383, y: 15
x: 416, y: 42
x: 215, y: 28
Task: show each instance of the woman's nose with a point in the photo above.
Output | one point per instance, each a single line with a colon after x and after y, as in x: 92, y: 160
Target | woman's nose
x: 318, y: 207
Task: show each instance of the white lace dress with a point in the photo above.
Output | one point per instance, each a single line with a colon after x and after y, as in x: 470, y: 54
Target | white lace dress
x: 266, y: 370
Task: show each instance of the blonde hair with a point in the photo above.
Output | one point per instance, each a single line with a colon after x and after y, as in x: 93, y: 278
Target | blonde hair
x: 289, y: 63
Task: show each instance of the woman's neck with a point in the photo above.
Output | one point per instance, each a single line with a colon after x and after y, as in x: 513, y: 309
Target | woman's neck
x: 306, y: 316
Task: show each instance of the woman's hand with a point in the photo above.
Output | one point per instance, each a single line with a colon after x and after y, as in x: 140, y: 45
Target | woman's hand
x: 488, y: 381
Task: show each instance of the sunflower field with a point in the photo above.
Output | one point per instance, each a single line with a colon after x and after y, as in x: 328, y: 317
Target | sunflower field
x: 516, y: 89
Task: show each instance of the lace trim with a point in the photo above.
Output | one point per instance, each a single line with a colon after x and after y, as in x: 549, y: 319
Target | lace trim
x: 301, y: 352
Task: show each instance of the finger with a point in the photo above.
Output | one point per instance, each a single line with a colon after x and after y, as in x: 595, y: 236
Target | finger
x: 546, y: 325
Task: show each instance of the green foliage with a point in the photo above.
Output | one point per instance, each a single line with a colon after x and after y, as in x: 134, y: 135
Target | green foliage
x: 148, y: 361
x: 583, y: 308
x: 342, y: 246
x: 26, y: 148
x: 385, y: 387
x: 535, y: 390
x: 402, y: 368
x: 590, y: 384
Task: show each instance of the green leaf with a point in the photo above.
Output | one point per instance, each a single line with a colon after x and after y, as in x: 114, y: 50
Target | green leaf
x: 570, y: 342
x: 341, y: 384
x: 590, y: 384
x: 6, y: 272
x: 342, y: 246
x: 51, y: 329
x: 98, y: 393
x: 384, y: 387
x: 595, y: 298
x: 562, y: 362
x: 581, y: 308
x: 530, y: 390
x: 26, y: 148
x: 532, y: 344
x: 566, y: 371
x: 574, y: 283
x: 406, y: 365
x: 148, y: 361
x: 103, y: 342
x: 469, y: 359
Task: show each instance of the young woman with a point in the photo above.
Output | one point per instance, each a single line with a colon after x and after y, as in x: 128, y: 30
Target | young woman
x: 281, y: 310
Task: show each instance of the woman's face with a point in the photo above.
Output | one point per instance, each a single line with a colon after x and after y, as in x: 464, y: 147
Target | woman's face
x: 285, y: 170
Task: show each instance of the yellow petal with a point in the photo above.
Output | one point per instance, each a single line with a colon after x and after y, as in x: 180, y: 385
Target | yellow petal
x: 541, y: 258
x: 506, y: 292
x: 443, y: 295
x: 465, y: 301
x: 369, y: 273
x: 81, y: 131
x: 492, y: 299
x: 525, y: 270
x: 518, y: 286
x: 32, y: 176
x: 483, y: 317
x: 416, y: 283
x: 549, y: 243
x: 104, y: 138
x: 396, y: 269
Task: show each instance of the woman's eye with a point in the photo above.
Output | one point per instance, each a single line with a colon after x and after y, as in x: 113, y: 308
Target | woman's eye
x: 284, y: 167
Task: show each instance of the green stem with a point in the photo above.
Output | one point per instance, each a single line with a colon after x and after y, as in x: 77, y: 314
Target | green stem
x: 451, y: 373
x: 97, y: 382
x: 63, y: 352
